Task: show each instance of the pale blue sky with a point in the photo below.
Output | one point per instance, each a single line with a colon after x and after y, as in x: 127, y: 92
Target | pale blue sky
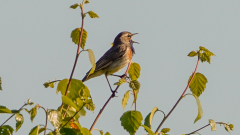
x: 35, y: 47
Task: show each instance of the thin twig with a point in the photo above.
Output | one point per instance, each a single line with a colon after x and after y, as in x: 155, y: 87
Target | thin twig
x: 179, y: 98
x: 73, y: 116
x: 112, y: 95
x: 203, y: 128
x: 77, y: 54
x: 13, y: 115
x: 46, y: 118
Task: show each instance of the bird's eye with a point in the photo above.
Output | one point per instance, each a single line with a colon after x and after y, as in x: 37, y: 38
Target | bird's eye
x: 128, y: 35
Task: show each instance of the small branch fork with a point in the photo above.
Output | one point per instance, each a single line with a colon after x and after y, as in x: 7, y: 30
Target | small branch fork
x: 77, y: 54
x: 203, y: 128
x: 164, y: 119
x: 112, y: 95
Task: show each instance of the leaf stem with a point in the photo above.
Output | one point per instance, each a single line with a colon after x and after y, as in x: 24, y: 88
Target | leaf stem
x: 135, y: 100
x: 77, y: 54
x: 13, y: 115
x: 203, y: 128
x: 179, y: 97
x: 112, y: 95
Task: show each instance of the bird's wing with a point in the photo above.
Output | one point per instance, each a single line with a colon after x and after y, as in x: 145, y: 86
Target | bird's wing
x: 112, y: 54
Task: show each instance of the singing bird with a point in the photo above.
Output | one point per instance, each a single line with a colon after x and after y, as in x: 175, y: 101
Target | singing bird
x: 117, y: 57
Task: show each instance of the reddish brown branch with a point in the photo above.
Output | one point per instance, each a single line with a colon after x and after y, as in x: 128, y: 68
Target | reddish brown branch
x: 13, y: 115
x: 179, y: 98
x: 112, y: 95
x: 77, y: 54
x: 203, y: 128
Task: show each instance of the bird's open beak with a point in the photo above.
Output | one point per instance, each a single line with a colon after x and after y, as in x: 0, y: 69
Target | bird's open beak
x: 133, y: 35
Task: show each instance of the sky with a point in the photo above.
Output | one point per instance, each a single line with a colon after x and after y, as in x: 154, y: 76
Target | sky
x: 35, y: 46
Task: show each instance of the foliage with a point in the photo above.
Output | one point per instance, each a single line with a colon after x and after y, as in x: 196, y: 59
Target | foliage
x: 76, y: 98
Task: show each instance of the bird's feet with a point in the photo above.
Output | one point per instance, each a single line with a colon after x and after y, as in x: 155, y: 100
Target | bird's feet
x: 121, y: 76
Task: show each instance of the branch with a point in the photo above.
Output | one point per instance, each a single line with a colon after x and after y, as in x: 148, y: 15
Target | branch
x: 77, y: 54
x: 13, y: 115
x: 179, y: 98
x: 112, y: 95
x: 203, y: 128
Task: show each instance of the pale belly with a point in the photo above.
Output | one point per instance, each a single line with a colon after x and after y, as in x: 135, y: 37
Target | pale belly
x: 118, y: 64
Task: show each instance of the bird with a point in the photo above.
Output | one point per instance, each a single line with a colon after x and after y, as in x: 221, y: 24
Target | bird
x: 116, y: 58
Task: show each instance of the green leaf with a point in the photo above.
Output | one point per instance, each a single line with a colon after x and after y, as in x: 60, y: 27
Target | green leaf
x: 0, y: 83
x: 84, y: 131
x: 107, y: 133
x: 125, y: 99
x: 4, y: 109
x: 19, y: 120
x: 49, y: 83
x: 79, y: 102
x: 200, y: 111
x: 15, y: 111
x: 147, y: 121
x: 231, y: 126
x: 75, y: 35
x: 100, y: 131
x: 34, y: 131
x: 92, y: 14
x: 70, y: 113
x: 213, y: 125
x: 41, y: 130
x: 33, y: 112
x: 227, y: 128
x: 149, y: 117
x: 89, y: 105
x: 74, y: 6
x: 68, y: 101
x: 131, y: 120
x: 206, y: 50
x: 165, y: 130
x: 86, y: 2
x: 150, y: 132
x: 120, y: 82
x: 55, y: 118
x: 198, y: 84
x: 67, y: 131
x: 192, y: 54
x: 92, y: 61
x: 76, y: 90
x: 51, y: 133
x: 134, y: 71
x: 205, y: 55
x: 154, y: 110
x: 6, y: 130
x: 135, y: 85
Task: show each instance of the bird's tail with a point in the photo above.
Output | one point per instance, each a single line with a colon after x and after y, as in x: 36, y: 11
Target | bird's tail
x: 86, y: 77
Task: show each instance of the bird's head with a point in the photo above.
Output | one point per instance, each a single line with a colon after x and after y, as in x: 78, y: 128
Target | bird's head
x: 124, y: 37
